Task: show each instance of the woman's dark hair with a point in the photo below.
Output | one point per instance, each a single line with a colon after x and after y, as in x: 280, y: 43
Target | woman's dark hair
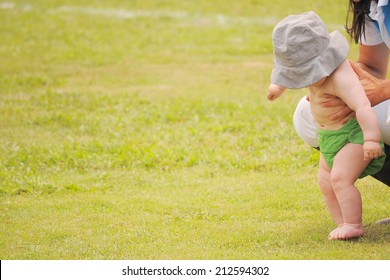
x: 359, y: 10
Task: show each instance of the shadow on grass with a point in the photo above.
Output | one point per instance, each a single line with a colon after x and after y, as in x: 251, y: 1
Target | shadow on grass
x: 376, y: 233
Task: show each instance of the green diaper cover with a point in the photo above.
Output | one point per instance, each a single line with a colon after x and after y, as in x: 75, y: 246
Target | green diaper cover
x: 331, y: 141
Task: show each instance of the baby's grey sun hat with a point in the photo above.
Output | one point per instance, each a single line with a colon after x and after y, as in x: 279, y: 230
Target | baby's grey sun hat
x: 304, y: 51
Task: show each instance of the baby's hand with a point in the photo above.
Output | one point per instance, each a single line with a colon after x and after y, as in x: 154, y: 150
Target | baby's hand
x: 372, y: 150
x: 275, y: 91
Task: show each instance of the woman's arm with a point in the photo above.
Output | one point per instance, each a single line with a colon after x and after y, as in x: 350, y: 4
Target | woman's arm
x: 377, y: 90
x: 374, y: 59
x: 372, y: 70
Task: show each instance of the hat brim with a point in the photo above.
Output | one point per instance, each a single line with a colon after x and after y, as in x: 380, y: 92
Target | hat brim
x: 311, y: 72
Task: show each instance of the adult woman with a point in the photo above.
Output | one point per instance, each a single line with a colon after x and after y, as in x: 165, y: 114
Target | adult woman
x: 368, y: 27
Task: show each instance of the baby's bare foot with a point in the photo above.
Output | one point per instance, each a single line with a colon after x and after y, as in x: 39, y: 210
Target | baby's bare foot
x: 334, y: 232
x: 347, y: 231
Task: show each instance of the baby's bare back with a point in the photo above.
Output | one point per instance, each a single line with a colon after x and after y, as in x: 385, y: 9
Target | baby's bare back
x: 319, y: 96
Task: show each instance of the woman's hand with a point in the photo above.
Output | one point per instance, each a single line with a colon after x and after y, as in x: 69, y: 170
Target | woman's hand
x: 343, y: 114
x: 371, y: 84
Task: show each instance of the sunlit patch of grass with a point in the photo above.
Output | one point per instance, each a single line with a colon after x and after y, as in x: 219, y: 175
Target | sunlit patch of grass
x: 140, y: 130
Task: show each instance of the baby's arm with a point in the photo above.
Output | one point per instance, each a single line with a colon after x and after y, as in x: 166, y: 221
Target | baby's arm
x: 275, y: 91
x: 348, y: 87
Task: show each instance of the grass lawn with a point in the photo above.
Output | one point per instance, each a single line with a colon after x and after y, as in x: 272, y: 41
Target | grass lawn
x: 141, y: 130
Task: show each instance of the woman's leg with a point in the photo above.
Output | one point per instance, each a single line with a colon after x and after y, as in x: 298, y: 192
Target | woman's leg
x: 382, y: 111
x: 382, y: 114
x: 384, y: 174
x: 306, y: 129
x: 304, y: 123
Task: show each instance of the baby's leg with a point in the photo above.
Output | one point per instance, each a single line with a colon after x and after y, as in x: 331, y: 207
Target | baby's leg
x: 327, y: 191
x: 348, y: 164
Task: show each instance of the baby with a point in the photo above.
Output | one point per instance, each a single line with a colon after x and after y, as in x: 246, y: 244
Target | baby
x: 306, y: 55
